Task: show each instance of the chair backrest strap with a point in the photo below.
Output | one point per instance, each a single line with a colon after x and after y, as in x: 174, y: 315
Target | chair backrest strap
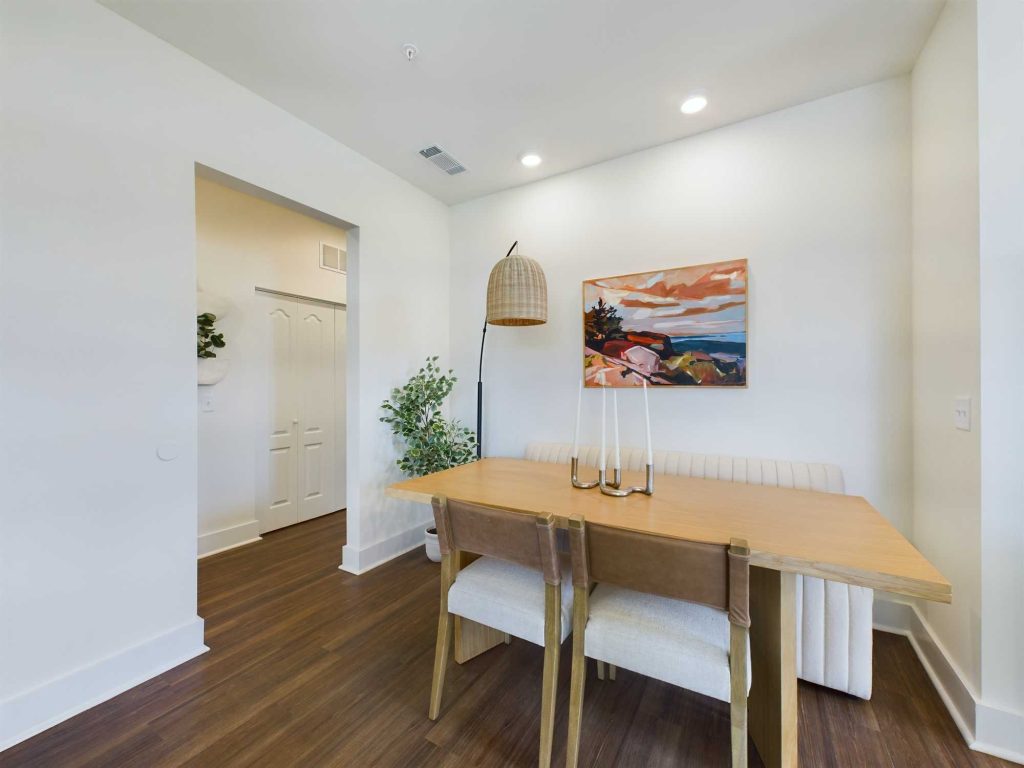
x: 513, y: 536
x: 712, y: 574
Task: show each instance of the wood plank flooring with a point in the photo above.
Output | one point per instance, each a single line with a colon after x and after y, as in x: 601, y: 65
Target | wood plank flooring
x: 310, y: 666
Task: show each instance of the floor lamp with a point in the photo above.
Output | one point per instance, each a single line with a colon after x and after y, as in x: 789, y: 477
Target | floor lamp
x: 517, y: 294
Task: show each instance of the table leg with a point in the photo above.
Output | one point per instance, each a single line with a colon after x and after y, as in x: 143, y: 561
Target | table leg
x: 472, y: 639
x: 772, y: 705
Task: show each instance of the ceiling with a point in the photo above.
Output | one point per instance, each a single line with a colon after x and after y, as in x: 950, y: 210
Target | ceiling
x: 577, y: 81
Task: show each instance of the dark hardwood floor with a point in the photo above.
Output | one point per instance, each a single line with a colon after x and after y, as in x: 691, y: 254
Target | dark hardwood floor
x: 310, y: 666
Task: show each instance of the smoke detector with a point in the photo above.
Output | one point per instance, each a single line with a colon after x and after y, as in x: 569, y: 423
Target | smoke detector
x: 410, y: 52
x: 443, y: 160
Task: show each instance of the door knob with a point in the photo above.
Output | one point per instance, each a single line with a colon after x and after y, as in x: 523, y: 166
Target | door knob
x: 295, y: 421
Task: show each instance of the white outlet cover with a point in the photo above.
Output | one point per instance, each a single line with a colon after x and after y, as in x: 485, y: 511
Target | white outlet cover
x: 962, y: 413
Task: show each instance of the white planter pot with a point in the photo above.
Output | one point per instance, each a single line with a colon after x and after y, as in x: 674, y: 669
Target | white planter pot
x: 211, y: 370
x: 433, y: 548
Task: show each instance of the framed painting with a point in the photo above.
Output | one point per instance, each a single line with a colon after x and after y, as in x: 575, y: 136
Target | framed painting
x: 679, y: 327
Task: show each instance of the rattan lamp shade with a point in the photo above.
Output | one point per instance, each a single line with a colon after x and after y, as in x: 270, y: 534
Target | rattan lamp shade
x: 517, y: 293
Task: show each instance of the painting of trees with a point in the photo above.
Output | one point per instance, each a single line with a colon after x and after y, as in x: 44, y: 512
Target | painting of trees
x: 602, y: 323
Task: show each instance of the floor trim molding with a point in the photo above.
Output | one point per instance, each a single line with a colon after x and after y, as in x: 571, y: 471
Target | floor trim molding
x: 359, y: 561
x: 30, y: 712
x: 985, y: 728
x: 228, y: 538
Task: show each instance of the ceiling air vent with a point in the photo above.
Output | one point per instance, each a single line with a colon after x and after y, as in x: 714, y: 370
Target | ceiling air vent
x: 443, y: 160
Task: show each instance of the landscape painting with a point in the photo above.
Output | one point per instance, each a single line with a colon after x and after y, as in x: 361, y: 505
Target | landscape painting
x: 681, y: 327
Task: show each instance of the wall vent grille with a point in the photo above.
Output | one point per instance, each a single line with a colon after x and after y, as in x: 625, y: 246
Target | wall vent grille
x: 333, y: 257
x: 443, y: 160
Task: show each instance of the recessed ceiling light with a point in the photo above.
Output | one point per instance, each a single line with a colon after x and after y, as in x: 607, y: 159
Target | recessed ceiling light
x: 530, y: 160
x: 694, y: 104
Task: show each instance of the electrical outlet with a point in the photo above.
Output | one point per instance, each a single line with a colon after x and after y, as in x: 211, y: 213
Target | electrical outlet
x: 962, y: 413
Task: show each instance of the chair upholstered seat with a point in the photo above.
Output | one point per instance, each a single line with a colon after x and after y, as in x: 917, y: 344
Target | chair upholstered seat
x: 682, y: 643
x: 508, y: 597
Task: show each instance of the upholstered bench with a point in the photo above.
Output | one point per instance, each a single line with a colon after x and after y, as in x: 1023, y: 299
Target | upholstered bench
x: 834, y: 620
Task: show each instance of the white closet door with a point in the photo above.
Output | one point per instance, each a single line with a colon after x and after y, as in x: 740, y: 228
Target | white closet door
x: 295, y: 469
x: 277, y: 471
x: 313, y: 340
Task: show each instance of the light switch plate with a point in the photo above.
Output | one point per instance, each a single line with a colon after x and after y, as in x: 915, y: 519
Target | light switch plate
x: 206, y: 403
x: 962, y: 413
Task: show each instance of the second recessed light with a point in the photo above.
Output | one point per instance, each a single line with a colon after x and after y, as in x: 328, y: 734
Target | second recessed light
x: 694, y: 104
x: 530, y: 160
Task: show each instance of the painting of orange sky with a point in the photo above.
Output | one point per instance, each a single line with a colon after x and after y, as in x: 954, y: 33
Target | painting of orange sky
x: 685, y: 326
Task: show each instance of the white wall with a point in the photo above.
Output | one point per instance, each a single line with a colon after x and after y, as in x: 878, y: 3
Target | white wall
x: 1001, y: 174
x: 817, y: 197
x: 968, y: 266
x: 947, y: 461
x: 242, y: 243
x: 102, y: 125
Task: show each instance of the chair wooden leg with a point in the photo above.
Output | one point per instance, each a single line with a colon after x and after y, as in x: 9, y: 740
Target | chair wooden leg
x: 445, y: 628
x: 579, y: 674
x: 600, y: 670
x: 738, y: 639
x: 552, y: 648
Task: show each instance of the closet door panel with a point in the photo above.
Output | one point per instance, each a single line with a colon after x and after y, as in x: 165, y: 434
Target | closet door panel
x: 314, y: 374
x: 277, y: 462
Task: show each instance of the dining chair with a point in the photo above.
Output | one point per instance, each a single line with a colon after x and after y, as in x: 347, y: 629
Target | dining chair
x: 834, y: 620
x: 674, y: 610
x: 519, y: 585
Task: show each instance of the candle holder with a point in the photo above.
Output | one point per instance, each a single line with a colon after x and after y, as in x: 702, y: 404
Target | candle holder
x: 576, y: 483
x: 610, y: 489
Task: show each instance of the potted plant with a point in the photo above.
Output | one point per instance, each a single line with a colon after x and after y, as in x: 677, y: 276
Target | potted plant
x: 432, y: 442
x: 209, y: 339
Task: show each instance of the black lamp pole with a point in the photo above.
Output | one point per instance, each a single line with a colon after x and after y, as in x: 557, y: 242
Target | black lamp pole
x: 480, y: 394
x: 480, y: 381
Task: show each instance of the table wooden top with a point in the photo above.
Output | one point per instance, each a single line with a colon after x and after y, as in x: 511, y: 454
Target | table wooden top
x: 837, y: 537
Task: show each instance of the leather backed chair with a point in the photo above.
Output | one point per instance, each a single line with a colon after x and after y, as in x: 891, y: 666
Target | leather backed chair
x: 674, y: 610
x: 518, y: 585
x: 834, y: 620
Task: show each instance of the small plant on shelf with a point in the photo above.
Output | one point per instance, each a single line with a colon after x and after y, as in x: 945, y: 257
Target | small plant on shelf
x: 207, y: 338
x: 413, y: 412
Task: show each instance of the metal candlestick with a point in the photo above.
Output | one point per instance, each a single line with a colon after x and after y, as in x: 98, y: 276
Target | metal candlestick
x: 610, y: 489
x: 575, y: 480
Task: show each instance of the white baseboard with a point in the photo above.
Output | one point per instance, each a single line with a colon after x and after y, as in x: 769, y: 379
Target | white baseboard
x: 359, y: 561
x: 30, y: 712
x: 1000, y: 732
x: 228, y: 538
x: 984, y: 727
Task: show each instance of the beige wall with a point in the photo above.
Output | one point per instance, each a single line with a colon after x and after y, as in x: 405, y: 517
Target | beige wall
x: 242, y: 243
x: 947, y: 474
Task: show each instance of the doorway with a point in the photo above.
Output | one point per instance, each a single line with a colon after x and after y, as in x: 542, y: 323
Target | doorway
x: 272, y: 404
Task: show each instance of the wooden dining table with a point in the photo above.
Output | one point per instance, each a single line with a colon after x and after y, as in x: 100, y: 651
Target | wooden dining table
x: 832, y: 536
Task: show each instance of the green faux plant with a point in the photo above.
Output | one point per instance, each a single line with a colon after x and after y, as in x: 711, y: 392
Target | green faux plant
x: 207, y: 338
x: 432, y: 442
